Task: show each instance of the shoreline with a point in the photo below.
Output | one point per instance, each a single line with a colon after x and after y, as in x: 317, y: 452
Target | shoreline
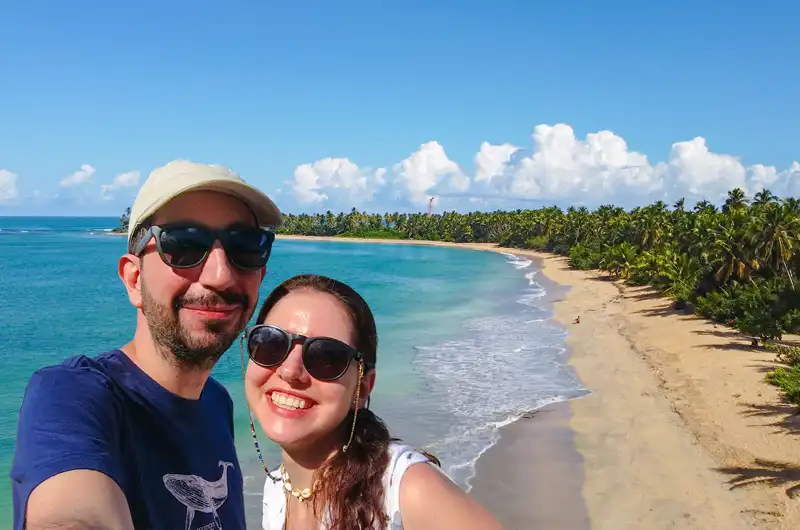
x: 535, y: 449
x: 678, y: 422
x: 533, y: 475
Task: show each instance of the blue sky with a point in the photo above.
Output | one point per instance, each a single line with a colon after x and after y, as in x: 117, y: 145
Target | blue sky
x: 378, y: 106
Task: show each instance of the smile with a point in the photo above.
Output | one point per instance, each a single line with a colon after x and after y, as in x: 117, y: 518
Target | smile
x: 212, y: 311
x: 287, y: 402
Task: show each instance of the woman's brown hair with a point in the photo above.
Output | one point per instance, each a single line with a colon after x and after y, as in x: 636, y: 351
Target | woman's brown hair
x: 352, y: 489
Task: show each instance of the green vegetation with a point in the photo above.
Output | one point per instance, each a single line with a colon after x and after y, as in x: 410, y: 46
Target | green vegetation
x: 735, y: 265
x: 786, y: 377
x: 373, y: 233
x: 123, y: 222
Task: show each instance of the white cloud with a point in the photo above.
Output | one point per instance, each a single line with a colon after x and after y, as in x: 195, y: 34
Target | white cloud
x: 82, y: 176
x: 698, y: 171
x: 601, y: 168
x: 8, y: 186
x: 417, y: 175
x: 492, y: 160
x: 789, y: 181
x: 317, y: 182
x: 123, y: 180
x: 559, y: 167
x: 564, y: 167
x: 340, y: 183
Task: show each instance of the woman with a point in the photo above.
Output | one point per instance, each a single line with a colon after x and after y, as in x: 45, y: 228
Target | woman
x: 311, y: 373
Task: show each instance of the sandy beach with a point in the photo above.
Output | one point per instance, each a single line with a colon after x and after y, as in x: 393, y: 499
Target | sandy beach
x: 678, y: 416
x: 679, y: 420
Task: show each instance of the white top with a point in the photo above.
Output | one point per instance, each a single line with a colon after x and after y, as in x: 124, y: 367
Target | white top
x: 401, y: 458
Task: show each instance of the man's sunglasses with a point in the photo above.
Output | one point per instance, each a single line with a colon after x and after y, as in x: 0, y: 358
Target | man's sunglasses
x: 184, y: 247
x: 324, y: 358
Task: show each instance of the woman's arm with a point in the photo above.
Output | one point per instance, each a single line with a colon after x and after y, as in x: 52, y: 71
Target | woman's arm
x: 430, y: 501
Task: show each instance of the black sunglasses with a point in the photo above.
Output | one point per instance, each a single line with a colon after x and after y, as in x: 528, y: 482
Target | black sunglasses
x: 324, y: 358
x: 187, y: 246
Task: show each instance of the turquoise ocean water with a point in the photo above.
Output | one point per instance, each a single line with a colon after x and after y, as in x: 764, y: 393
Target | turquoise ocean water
x: 466, y: 343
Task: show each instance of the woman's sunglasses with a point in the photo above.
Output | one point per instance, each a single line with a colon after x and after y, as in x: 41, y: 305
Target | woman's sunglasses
x: 324, y: 358
x: 184, y: 247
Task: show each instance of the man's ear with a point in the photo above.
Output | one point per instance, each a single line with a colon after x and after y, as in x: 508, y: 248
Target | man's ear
x: 129, y: 270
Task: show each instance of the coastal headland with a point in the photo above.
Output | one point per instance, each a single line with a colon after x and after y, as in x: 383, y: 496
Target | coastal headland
x: 680, y: 430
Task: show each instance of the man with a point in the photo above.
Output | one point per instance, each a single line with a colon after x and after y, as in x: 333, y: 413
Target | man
x: 142, y: 437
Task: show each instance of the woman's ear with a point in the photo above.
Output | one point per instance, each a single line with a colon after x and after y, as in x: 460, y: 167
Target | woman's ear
x: 367, y: 384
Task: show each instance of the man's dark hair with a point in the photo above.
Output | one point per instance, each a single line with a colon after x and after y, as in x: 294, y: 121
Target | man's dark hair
x: 138, y: 234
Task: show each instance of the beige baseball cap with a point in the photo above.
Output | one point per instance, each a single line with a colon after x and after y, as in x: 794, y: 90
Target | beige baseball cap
x: 179, y: 176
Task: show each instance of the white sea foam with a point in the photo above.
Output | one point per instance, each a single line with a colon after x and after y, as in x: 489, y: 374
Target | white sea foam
x: 505, y: 364
x: 530, y: 276
x: 522, y: 263
x: 517, y: 261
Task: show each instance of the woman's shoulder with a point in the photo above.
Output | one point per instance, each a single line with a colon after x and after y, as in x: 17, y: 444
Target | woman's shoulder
x: 401, y: 458
x: 431, y: 497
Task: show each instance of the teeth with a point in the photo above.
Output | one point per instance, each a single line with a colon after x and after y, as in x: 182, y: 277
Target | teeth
x: 285, y: 401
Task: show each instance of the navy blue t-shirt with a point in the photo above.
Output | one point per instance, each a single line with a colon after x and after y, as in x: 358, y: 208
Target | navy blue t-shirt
x: 173, y: 458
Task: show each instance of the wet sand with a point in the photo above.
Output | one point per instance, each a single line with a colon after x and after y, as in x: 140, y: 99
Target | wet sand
x: 533, y: 477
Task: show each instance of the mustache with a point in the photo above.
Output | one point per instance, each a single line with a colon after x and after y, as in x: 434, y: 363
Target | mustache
x: 214, y: 299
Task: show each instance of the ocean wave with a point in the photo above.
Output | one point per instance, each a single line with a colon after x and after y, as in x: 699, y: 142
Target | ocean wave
x: 530, y: 277
x: 502, y: 366
x: 532, y: 298
x: 517, y: 261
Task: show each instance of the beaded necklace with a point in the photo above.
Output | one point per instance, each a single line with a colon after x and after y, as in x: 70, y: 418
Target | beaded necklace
x: 250, y: 415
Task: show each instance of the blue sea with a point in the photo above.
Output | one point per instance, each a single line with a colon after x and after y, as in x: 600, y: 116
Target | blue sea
x: 466, y: 343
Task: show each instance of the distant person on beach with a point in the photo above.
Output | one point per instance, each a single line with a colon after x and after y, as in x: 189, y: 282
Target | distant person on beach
x: 311, y: 371
x: 141, y: 437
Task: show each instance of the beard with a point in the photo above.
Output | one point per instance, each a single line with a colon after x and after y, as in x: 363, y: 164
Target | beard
x: 178, y: 344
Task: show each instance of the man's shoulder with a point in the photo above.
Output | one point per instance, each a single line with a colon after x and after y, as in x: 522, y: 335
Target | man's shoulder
x: 97, y: 364
x: 69, y: 420
x: 88, y: 376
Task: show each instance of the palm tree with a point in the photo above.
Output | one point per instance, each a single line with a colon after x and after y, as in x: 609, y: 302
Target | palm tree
x: 764, y: 197
x: 736, y: 199
x: 776, y: 237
